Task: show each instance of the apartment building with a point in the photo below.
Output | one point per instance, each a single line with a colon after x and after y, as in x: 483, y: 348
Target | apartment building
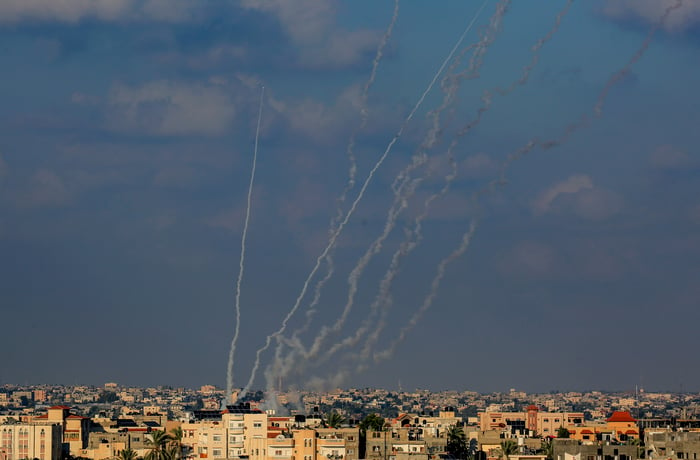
x: 75, y: 428
x: 41, y: 441
x: 681, y: 445
x: 533, y: 421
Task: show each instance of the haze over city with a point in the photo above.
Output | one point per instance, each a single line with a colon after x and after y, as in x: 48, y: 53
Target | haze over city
x: 524, y: 212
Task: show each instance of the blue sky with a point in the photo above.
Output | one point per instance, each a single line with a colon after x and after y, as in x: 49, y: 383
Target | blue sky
x: 126, y: 140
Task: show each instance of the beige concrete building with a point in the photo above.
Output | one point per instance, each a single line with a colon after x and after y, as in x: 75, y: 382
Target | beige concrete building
x: 75, y: 428
x: 31, y: 440
x: 533, y: 421
x: 666, y: 444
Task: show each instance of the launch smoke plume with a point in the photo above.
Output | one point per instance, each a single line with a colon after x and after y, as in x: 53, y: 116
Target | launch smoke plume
x: 359, y: 197
x: 234, y: 341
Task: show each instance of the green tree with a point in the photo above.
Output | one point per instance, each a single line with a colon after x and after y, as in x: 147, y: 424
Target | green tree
x: 456, y: 441
x: 372, y: 422
x: 157, y: 443
x: 508, y: 448
x: 127, y: 454
x: 563, y: 433
x: 175, y: 450
x: 547, y: 448
x: 334, y: 420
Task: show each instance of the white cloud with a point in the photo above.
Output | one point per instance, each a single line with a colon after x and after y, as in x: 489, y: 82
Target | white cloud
x: 578, y: 195
x: 320, y: 122
x: 310, y: 24
x: 650, y: 11
x: 72, y: 11
x: 171, y: 109
x: 573, y: 184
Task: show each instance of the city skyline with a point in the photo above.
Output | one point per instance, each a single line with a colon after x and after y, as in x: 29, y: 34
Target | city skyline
x: 126, y: 142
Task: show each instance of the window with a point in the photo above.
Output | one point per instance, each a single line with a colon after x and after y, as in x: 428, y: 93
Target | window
x: 216, y: 438
x: 376, y: 434
x: 351, y: 451
x: 351, y: 438
x: 216, y: 453
x: 278, y: 452
x: 257, y: 424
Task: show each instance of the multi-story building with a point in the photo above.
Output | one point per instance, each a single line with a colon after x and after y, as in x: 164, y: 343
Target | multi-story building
x: 41, y: 441
x: 330, y: 441
x: 672, y: 444
x: 75, y: 428
x: 533, y: 420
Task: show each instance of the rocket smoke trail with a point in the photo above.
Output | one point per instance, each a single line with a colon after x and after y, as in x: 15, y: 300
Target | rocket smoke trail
x: 359, y: 197
x: 527, y: 148
x: 234, y: 341
x: 434, y: 286
x: 404, y: 188
x: 402, y: 193
x: 414, y: 236
x: 364, y: 114
x: 637, y: 56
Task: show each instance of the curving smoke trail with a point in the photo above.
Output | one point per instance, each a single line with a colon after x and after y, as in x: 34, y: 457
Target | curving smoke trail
x: 358, y: 198
x: 364, y: 112
x: 234, y: 341
x: 402, y: 192
x: 434, y: 286
x: 404, y: 187
x: 383, y: 299
x: 620, y: 74
x: 364, y: 117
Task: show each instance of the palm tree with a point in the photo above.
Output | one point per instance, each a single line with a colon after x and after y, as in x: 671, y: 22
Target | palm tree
x: 508, y: 448
x: 372, y: 422
x: 547, y: 448
x: 175, y: 451
x: 157, y: 443
x: 127, y: 454
x: 456, y: 441
x: 334, y: 420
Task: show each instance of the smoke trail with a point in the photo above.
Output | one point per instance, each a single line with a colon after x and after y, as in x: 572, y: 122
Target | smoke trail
x: 358, y: 198
x: 637, y: 56
x: 414, y: 236
x: 510, y: 159
x: 364, y: 114
x: 364, y: 111
x: 527, y: 70
x: 434, y: 286
x: 234, y: 341
x: 403, y: 187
